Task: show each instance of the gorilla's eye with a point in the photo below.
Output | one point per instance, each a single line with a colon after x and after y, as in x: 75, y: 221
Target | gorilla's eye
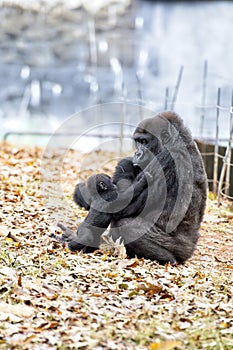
x: 143, y: 142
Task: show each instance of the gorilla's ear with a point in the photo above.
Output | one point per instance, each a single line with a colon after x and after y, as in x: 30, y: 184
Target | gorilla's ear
x: 165, y: 136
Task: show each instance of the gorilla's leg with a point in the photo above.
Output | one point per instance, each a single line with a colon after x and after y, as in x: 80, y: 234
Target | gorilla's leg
x: 143, y: 238
x: 151, y: 251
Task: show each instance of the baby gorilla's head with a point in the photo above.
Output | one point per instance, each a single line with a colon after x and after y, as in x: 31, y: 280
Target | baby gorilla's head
x: 100, y: 183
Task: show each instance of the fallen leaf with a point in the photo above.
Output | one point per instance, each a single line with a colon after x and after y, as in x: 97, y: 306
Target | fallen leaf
x: 19, y: 310
x: 4, y: 231
x: 165, y: 345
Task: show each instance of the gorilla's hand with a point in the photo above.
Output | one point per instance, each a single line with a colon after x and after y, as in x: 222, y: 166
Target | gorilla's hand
x: 67, y: 234
x: 69, y: 238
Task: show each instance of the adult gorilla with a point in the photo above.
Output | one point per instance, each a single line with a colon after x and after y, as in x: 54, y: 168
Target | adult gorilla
x: 161, y: 196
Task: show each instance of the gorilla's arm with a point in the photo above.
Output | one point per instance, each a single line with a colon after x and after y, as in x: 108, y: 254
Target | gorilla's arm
x: 130, y: 201
x: 88, y: 236
x: 89, y: 232
x: 70, y: 238
x: 146, y: 183
x: 125, y: 170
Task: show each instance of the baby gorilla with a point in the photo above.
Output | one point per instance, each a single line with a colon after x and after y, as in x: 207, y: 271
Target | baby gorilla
x: 101, y: 185
x: 104, y: 198
x: 123, y: 177
x: 97, y: 189
x: 86, y: 192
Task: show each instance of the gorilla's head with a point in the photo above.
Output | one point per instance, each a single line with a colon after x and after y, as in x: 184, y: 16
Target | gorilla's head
x: 100, y: 183
x: 152, y: 135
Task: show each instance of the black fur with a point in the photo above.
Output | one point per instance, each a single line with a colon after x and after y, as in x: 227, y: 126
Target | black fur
x: 81, y: 196
x: 160, y: 196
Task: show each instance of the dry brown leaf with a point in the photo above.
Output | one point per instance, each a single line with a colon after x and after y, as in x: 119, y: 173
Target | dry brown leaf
x: 115, y: 248
x: 134, y: 263
x: 150, y: 288
x: 4, y: 230
x: 17, y: 309
x: 165, y: 345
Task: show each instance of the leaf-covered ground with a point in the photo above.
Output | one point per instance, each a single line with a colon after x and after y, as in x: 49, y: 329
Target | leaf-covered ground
x: 53, y: 299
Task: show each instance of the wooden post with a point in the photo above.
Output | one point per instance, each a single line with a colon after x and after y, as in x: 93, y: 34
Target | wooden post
x: 203, y: 98
x: 166, y: 98
x: 123, y: 114
x: 216, y: 147
x: 177, y: 88
x: 228, y: 170
x: 139, y: 91
x: 92, y: 42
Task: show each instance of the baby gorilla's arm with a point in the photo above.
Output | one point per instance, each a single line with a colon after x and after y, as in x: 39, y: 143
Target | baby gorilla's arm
x: 89, y: 233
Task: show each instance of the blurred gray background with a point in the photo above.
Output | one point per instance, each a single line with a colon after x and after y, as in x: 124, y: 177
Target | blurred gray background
x: 61, y: 57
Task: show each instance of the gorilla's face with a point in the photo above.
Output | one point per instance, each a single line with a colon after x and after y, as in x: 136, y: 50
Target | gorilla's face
x: 150, y: 137
x: 147, y: 146
x: 100, y: 183
x: 104, y: 183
